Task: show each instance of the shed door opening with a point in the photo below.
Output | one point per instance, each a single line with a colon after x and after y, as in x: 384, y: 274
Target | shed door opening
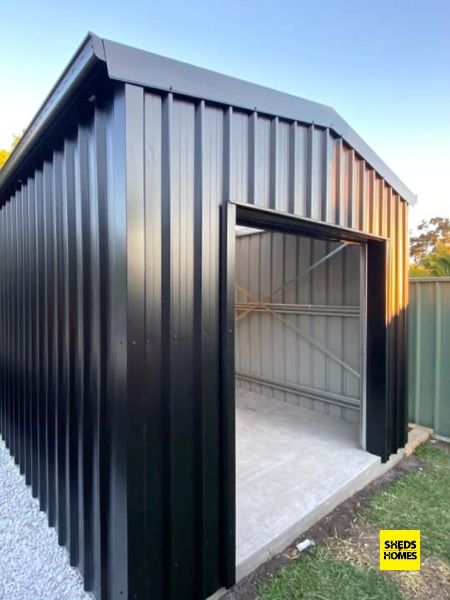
x: 300, y: 393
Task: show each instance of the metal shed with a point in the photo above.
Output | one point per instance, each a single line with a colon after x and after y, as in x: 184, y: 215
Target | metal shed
x: 117, y: 301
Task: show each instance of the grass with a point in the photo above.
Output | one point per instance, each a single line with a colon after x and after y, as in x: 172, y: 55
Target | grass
x: 417, y: 500
x: 319, y: 576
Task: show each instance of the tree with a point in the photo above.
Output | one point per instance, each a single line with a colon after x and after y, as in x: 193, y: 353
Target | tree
x: 431, y: 235
x: 4, y: 154
x: 430, y: 249
x: 438, y: 263
x: 415, y: 271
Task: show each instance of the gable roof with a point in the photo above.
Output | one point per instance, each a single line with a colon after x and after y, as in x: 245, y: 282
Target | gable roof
x: 130, y: 65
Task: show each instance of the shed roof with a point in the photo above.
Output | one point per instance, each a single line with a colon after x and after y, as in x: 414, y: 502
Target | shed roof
x: 130, y: 65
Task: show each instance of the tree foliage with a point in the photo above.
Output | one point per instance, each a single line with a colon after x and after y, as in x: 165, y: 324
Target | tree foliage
x: 4, y: 154
x: 438, y: 263
x: 431, y: 235
x: 430, y: 249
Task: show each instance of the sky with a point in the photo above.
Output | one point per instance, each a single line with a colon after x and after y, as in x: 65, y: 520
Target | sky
x: 383, y: 65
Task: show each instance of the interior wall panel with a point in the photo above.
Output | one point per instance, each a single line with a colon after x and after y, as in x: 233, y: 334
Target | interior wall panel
x: 324, y: 305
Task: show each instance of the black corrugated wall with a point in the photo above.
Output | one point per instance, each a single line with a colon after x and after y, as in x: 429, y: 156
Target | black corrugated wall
x: 111, y: 364
x: 116, y: 308
x: 179, y: 502
x: 63, y: 324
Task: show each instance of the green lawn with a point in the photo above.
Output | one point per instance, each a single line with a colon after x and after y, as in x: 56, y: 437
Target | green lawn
x: 417, y: 500
x: 319, y: 576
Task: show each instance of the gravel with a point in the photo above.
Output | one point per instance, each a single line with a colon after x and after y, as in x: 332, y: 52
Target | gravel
x: 32, y: 564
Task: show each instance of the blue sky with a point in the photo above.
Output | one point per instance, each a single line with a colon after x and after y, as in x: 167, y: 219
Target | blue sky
x: 384, y: 65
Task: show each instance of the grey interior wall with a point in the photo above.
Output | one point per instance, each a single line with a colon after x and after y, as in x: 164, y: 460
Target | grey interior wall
x: 272, y: 358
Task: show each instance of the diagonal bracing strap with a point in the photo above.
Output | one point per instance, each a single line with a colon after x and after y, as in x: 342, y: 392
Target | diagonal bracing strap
x: 299, y: 332
x: 260, y: 304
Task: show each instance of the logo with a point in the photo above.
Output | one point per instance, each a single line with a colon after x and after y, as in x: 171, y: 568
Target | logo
x: 400, y: 549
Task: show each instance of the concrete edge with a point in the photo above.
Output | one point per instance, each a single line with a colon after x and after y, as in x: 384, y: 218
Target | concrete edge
x: 278, y: 544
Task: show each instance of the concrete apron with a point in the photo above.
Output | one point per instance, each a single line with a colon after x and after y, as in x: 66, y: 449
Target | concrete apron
x: 369, y: 471
x: 294, y: 466
x: 288, y: 536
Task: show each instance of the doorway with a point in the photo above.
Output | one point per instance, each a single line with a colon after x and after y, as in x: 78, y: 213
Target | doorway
x: 300, y: 306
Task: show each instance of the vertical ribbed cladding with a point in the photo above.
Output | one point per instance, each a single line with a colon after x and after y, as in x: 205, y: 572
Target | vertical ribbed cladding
x: 9, y: 271
x: 148, y: 410
x: 12, y: 304
x: 209, y: 187
x: 113, y: 336
x: 404, y: 271
x: 14, y: 328
x: 176, y: 157
x: 302, y: 169
x: 386, y: 224
x: 49, y: 320
x: 3, y: 338
x: 60, y: 317
x: 113, y: 481
x: 21, y: 364
x: 157, y: 294
x: 5, y: 367
x: 30, y: 299
x: 81, y: 198
x: 40, y: 337
x: 328, y: 181
x: 395, y: 317
x: 62, y: 314
x: 185, y: 459
x: 400, y: 393
x: 69, y: 349
x: 18, y: 324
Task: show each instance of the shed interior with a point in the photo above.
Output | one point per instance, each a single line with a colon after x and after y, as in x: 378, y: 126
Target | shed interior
x: 299, y: 348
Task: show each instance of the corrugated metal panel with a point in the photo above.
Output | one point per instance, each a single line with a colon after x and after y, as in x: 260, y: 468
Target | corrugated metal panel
x: 174, y: 189
x: 329, y: 182
x: 130, y: 65
x: 198, y: 156
x: 429, y: 349
x: 324, y: 305
x: 59, y: 321
x: 126, y: 260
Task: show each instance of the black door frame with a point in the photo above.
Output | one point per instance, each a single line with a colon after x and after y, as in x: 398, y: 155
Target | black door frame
x: 377, y: 399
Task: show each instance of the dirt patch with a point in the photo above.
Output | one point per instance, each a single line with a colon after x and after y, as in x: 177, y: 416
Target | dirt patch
x: 338, y: 524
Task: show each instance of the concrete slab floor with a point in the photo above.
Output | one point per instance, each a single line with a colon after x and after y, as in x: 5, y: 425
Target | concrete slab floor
x: 293, y: 467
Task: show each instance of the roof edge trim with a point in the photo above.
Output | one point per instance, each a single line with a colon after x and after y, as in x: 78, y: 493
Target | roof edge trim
x: 140, y: 67
x: 90, y: 51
